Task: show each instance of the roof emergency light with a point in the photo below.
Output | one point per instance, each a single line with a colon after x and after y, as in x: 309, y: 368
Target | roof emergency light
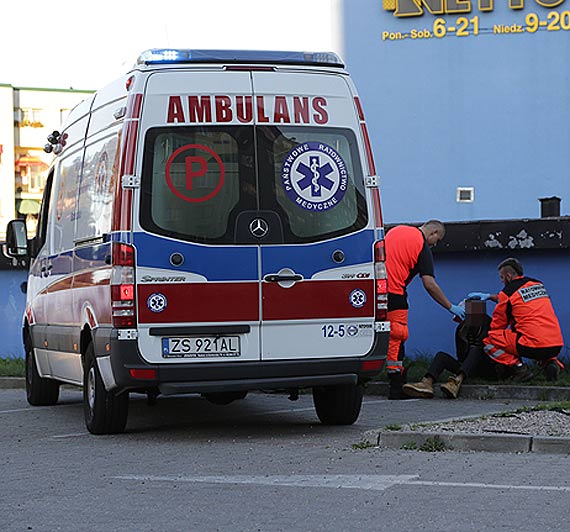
x: 158, y: 56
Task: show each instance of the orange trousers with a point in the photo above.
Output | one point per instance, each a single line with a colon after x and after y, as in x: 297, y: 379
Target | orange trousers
x: 501, y: 346
x: 398, y: 335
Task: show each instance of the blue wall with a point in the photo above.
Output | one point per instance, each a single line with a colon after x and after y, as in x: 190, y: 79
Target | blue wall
x: 432, y: 328
x: 12, y: 306
x: 488, y: 111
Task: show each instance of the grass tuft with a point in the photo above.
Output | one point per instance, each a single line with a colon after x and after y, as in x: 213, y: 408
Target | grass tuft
x: 364, y: 444
x: 12, y: 367
x: 433, y: 444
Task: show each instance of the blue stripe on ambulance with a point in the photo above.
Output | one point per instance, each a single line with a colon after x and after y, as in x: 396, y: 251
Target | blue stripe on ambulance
x: 309, y: 259
x: 216, y: 263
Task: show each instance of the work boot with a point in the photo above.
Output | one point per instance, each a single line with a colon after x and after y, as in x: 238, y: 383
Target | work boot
x: 520, y: 373
x: 395, y: 391
x: 422, y: 389
x: 451, y: 388
x: 552, y: 371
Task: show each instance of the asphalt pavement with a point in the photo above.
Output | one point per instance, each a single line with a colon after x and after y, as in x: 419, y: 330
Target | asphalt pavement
x: 412, y: 412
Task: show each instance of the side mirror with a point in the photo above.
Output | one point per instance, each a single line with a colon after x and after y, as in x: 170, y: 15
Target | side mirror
x: 16, y: 246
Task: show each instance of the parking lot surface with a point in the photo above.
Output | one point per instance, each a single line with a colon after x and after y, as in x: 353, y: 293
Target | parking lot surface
x: 263, y: 463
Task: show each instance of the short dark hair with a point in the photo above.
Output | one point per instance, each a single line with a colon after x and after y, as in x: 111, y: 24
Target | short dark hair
x: 513, y: 264
x: 435, y: 225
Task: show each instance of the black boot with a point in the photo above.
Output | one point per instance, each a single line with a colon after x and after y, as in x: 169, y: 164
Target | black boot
x: 396, y: 381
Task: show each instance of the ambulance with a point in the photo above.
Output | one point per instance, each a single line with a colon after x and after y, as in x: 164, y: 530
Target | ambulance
x: 211, y: 224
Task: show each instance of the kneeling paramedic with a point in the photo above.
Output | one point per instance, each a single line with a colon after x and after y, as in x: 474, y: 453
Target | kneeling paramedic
x: 523, y: 324
x: 408, y: 253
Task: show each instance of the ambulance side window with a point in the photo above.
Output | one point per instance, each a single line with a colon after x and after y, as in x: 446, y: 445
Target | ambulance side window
x: 100, y: 169
x: 41, y: 228
x: 64, y: 202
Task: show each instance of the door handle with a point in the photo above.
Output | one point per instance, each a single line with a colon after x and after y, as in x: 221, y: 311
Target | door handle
x: 276, y: 277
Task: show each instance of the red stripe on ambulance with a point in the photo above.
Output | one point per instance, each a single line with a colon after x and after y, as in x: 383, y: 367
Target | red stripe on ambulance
x: 316, y: 299
x: 201, y: 302
x: 222, y: 109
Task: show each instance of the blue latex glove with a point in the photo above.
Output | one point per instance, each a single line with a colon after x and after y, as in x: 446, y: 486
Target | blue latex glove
x: 458, y: 311
x: 483, y: 296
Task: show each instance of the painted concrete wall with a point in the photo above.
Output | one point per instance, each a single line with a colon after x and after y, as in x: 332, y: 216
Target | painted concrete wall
x: 489, y: 111
x: 12, y: 305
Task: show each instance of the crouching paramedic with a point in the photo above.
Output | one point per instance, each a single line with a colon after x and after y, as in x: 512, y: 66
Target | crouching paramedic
x: 408, y: 253
x: 523, y: 324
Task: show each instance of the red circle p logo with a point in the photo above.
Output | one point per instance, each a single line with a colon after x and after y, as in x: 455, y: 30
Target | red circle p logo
x: 190, y: 169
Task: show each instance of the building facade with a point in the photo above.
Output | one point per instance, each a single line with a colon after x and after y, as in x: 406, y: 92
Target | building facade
x: 27, y: 116
x: 467, y: 103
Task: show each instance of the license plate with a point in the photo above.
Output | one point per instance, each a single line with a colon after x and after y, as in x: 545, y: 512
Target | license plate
x: 201, y: 347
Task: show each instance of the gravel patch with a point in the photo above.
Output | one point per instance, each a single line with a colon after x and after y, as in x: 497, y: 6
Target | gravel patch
x: 533, y: 423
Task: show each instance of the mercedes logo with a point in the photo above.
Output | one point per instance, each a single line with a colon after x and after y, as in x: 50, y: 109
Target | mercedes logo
x: 258, y: 227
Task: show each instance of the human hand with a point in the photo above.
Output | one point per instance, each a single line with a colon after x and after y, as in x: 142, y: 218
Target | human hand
x: 483, y: 296
x: 457, y: 311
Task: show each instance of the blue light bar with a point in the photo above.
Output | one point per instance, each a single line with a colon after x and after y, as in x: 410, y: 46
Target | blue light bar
x: 163, y: 56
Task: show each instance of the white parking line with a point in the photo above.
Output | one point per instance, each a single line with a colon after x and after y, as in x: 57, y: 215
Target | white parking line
x: 29, y: 409
x: 368, y: 482
x: 72, y: 435
x: 364, y: 482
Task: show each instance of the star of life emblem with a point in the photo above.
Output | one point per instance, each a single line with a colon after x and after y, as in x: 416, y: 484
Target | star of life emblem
x: 314, y: 176
x: 357, y: 298
x: 156, y: 302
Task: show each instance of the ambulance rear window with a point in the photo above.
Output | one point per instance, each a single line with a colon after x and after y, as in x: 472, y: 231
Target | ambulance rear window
x: 205, y: 184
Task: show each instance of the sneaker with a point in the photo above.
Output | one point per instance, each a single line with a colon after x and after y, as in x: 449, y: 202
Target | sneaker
x: 451, y: 388
x: 552, y: 371
x: 520, y: 373
x: 422, y: 389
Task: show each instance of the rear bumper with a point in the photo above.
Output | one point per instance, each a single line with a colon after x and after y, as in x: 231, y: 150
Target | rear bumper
x: 209, y: 377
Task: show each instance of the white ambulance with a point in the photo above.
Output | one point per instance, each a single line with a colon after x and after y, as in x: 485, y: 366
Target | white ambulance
x: 211, y: 224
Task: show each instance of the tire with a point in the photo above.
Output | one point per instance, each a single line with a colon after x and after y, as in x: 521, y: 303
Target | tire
x: 224, y: 398
x: 338, y: 405
x: 39, y: 391
x: 105, y: 412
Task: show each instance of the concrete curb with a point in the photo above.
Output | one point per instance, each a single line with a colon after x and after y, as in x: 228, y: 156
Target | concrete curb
x: 8, y: 383
x: 492, y: 391
x: 494, y: 443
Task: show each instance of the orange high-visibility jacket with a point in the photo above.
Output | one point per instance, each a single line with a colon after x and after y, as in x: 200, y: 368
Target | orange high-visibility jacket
x: 525, y: 307
x: 407, y: 254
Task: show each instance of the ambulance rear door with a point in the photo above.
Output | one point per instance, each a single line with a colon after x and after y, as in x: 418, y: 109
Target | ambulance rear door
x: 317, y: 266
x: 197, y: 284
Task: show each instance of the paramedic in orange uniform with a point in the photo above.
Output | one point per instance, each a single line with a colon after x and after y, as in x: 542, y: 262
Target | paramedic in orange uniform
x: 523, y: 324
x: 408, y: 253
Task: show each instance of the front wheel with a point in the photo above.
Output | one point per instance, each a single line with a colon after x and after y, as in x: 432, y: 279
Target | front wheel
x: 105, y: 412
x: 39, y: 391
x: 339, y: 404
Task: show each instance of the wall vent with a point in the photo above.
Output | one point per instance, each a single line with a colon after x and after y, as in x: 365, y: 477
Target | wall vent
x: 465, y: 194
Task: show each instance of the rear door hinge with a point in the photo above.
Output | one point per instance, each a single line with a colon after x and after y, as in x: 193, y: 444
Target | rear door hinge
x: 372, y: 181
x: 130, y: 181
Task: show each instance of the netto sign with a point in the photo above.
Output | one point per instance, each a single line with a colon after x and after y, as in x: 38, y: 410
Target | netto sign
x: 416, y: 8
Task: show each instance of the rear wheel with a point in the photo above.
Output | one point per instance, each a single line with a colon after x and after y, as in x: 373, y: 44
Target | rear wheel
x: 338, y: 405
x: 39, y: 391
x: 105, y: 412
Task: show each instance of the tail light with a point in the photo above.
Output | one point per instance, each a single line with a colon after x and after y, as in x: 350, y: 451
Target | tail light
x: 123, y: 286
x: 381, y: 280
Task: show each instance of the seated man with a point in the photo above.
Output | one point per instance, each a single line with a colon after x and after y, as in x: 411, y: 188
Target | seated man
x: 471, y: 361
